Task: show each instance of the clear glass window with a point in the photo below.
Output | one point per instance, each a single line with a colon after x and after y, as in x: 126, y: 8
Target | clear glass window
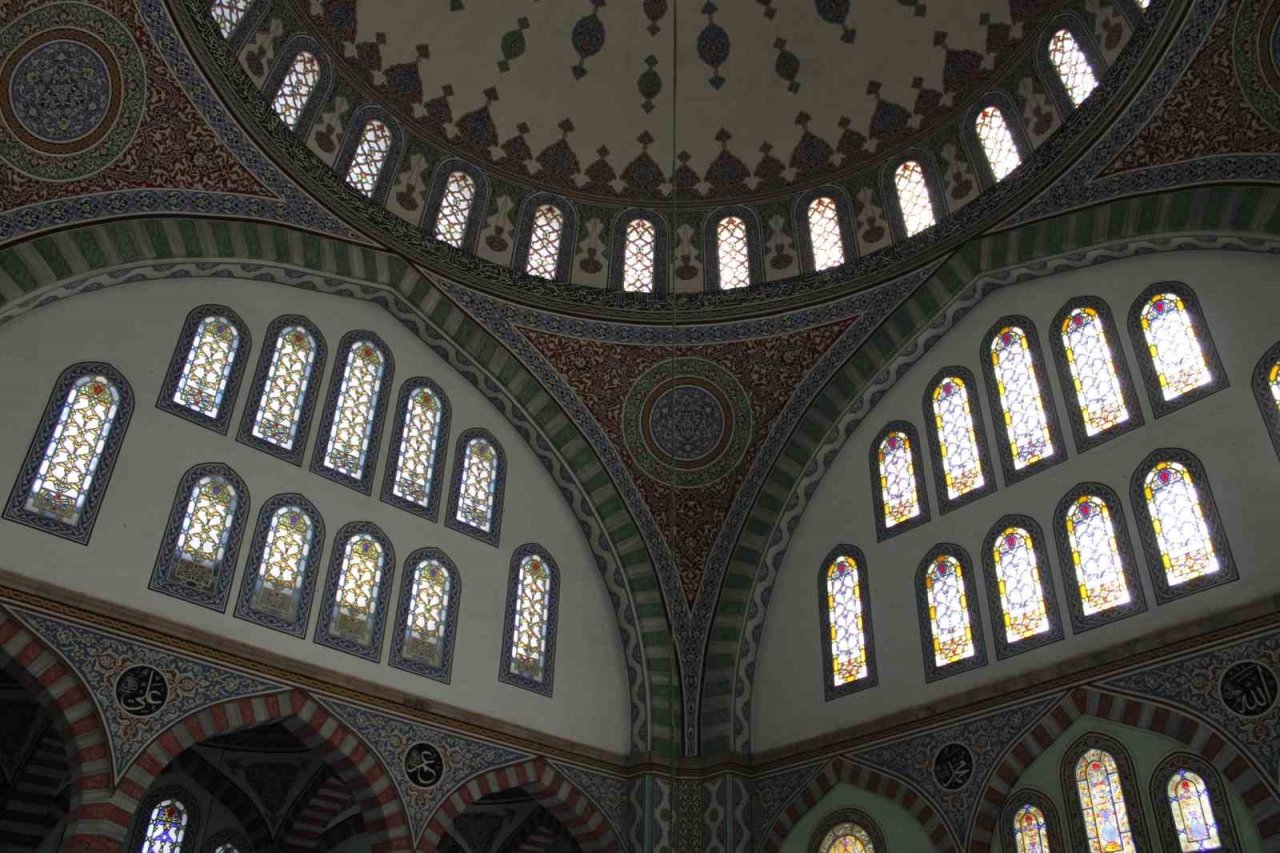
x: 997, y: 142
x: 733, y: 253
x: 544, y: 242
x: 296, y: 88
x: 824, y: 233
x: 638, y: 256
x: 455, y: 209
x: 1072, y: 66
x: 227, y: 14
x: 371, y: 153
x: 913, y: 197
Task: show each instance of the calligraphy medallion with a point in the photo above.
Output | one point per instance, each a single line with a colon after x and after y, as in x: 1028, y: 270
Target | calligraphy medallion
x: 424, y: 765
x: 141, y: 690
x: 952, y: 766
x: 1249, y: 689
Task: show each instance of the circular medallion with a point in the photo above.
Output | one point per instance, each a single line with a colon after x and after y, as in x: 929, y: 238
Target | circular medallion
x: 72, y: 91
x: 424, y: 765
x: 1249, y: 689
x: 953, y: 766
x: 686, y: 422
x: 141, y: 690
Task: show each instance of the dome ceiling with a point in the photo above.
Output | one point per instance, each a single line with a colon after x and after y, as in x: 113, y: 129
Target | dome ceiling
x: 767, y: 97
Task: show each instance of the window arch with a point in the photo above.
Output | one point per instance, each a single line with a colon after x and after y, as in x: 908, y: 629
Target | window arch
x: 166, y: 827
x: 419, y: 435
x: 284, y: 559
x: 1023, y: 605
x: 1181, y: 533
x: 356, y: 591
x: 1071, y: 65
x: 529, y: 632
x: 1029, y: 823
x: 545, y: 239
x: 204, y: 372
x: 427, y: 621
x: 843, y: 601
x: 347, y: 449
x: 456, y: 208
x: 917, y: 208
x: 1266, y: 390
x: 479, y: 479
x: 198, y: 551
x: 847, y: 831
x: 295, y: 87
x: 282, y: 394
x: 999, y: 146
x: 64, y: 476
x: 228, y: 841
x: 1192, y: 812
x: 741, y: 263
x: 1175, y: 350
x: 1095, y: 557
x: 897, y: 481
x: 639, y: 253
x: 365, y: 166
x: 945, y: 596
x: 1098, y: 783
x: 733, y: 253
x: 957, y: 439
x: 826, y: 241
x: 1026, y: 420
x: 228, y: 14
x: 1093, y: 372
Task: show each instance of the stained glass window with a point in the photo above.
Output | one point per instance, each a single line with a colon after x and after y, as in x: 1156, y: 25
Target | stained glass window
x: 847, y: 838
x: 70, y: 461
x: 1192, y: 812
x: 227, y: 14
x: 283, y: 563
x: 1095, y: 554
x: 529, y: 634
x: 208, y: 366
x: 356, y: 410
x: 357, y: 596
x: 948, y: 611
x: 227, y: 848
x: 479, y: 481
x: 455, y: 208
x: 638, y: 256
x: 1030, y: 830
x: 899, y: 489
x: 1175, y: 350
x: 371, y: 153
x: 913, y: 197
x: 424, y: 634
x: 1273, y: 382
x: 733, y: 253
x: 206, y: 527
x: 1093, y: 371
x: 1102, y: 804
x: 419, y: 442
x: 1072, y: 66
x: 957, y: 441
x: 1177, y: 519
x: 844, y: 614
x: 1023, y: 404
x: 165, y: 829
x: 298, y: 84
x: 1021, y: 585
x: 997, y: 142
x: 285, y: 391
x: 544, y: 242
x: 824, y: 233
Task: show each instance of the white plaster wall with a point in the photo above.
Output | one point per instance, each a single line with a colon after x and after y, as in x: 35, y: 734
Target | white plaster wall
x: 1241, y: 300
x: 134, y: 327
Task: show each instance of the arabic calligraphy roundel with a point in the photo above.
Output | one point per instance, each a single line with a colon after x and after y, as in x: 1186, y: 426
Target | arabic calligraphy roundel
x: 1249, y: 689
x: 423, y: 765
x: 952, y: 766
x: 141, y: 690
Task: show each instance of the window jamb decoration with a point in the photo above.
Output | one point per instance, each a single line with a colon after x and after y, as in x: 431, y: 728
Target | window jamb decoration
x: 541, y: 686
x: 1052, y: 631
x: 429, y: 507
x: 1081, y: 621
x: 319, y: 95
x: 1204, y: 337
x: 1128, y: 786
x: 229, y: 382
x: 1082, y: 34
x: 369, y: 535
x: 893, y: 205
x: 883, y: 529
x: 119, y: 410
x: 1013, y: 121
x: 1042, y: 803
x: 1100, y: 312
x: 401, y: 654
x: 373, y: 431
x: 1217, y: 793
x: 452, y: 521
x: 830, y: 689
x: 932, y: 670
x: 388, y: 168
x: 308, y: 565
x: 568, y: 236
x: 1003, y: 418
x: 661, y: 249
x: 186, y: 800
x: 1227, y: 572
x: 1266, y: 390
x: 837, y: 820
x: 263, y: 374
x: 711, y: 248
x: 845, y: 218
x: 182, y: 578
x: 945, y: 503
x: 436, y: 197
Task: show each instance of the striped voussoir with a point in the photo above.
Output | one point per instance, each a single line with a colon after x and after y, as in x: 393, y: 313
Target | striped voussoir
x: 840, y: 770
x: 318, y: 804
x: 94, y: 823
x: 552, y: 791
x: 384, y: 815
x: 1196, y: 735
x: 31, y: 804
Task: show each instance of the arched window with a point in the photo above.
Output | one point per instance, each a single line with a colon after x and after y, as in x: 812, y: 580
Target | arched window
x: 528, y: 647
x: 913, y: 197
x: 354, y: 411
x: 204, y: 373
x: 733, y: 253
x: 280, y: 573
x: 370, y: 154
x: 166, y: 827
x: 455, y: 209
x: 847, y: 838
x: 356, y: 591
x: 1094, y: 375
x: 638, y: 261
x: 997, y: 142
x: 846, y: 623
x: 1266, y: 390
x: 824, y: 233
x: 415, y: 472
x: 1016, y: 564
x: 198, y: 551
x: 1030, y: 830
x: 1072, y: 66
x: 475, y: 499
x: 1026, y: 424
x: 1177, y: 358
x: 296, y: 87
x: 545, y: 235
x: 1192, y: 811
x: 428, y: 615
x: 959, y: 446
x: 280, y: 399
x: 847, y: 831
x: 64, y: 476
x: 227, y: 14
x: 895, y: 478
x: 946, y: 601
x: 1095, y: 555
x: 1102, y: 803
